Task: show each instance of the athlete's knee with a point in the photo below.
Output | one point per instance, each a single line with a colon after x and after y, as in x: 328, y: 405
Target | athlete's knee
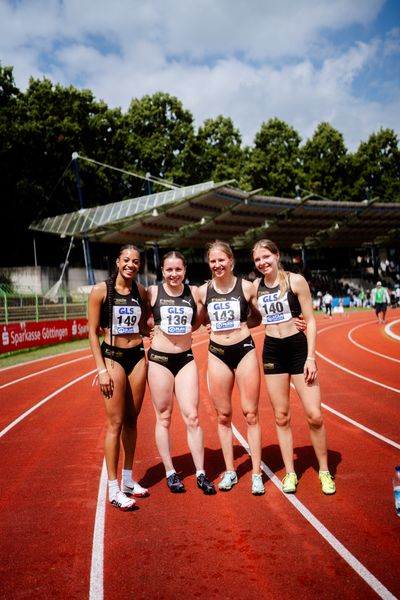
x: 164, y: 418
x: 251, y: 417
x: 282, y: 419
x: 114, y: 425
x: 315, y: 420
x: 192, y: 420
x: 224, y: 418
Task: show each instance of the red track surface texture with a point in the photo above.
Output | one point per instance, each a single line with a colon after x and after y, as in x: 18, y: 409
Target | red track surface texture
x: 61, y: 539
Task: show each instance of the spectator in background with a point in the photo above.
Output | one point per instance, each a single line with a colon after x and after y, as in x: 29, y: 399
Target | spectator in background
x: 397, y: 294
x: 319, y: 300
x: 380, y: 299
x: 327, y: 302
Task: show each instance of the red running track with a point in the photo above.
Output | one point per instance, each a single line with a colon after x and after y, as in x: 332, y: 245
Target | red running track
x: 61, y: 539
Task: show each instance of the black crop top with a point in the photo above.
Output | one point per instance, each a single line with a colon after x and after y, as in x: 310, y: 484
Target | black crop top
x: 175, y: 314
x: 127, y: 310
x: 226, y: 310
x: 276, y: 309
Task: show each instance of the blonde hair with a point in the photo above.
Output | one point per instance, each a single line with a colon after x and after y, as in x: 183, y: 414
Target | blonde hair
x: 273, y: 248
x: 220, y: 245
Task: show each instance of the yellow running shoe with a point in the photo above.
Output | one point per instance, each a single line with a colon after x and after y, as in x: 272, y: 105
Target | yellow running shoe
x: 289, y: 483
x: 327, y: 483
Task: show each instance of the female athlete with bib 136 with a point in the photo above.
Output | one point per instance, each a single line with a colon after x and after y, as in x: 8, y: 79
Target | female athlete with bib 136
x: 172, y: 368
x: 118, y: 306
x: 290, y: 354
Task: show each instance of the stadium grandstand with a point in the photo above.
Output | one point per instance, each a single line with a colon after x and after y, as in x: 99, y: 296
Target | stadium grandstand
x: 329, y: 241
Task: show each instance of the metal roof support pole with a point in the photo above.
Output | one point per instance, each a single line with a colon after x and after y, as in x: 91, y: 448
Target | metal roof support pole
x: 85, y: 242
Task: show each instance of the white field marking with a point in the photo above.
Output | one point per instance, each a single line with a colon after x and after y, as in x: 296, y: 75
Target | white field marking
x: 357, y: 424
x: 345, y: 554
x: 69, y: 362
x: 368, y: 349
x: 96, y: 571
x: 388, y: 329
x: 30, y: 362
x: 388, y: 387
x: 39, y: 404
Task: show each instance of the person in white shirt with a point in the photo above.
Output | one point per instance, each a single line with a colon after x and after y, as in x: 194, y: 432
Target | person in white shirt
x: 327, y: 302
x: 380, y: 299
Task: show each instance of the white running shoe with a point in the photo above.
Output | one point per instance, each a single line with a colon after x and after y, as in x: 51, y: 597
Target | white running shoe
x: 122, y: 502
x: 134, y: 488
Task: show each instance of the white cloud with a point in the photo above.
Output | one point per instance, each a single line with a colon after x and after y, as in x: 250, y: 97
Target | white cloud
x: 248, y: 59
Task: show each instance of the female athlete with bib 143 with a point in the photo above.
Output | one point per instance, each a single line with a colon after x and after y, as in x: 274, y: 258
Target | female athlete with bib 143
x: 118, y: 306
x: 172, y: 368
x: 290, y: 354
x: 230, y: 303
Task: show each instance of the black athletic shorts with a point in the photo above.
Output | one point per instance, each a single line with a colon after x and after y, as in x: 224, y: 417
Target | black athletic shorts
x: 173, y: 362
x: 126, y: 357
x: 232, y: 355
x: 285, y: 355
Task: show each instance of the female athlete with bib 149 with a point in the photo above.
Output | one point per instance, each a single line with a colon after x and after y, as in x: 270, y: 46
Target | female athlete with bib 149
x: 172, y: 368
x: 118, y: 306
x: 290, y: 354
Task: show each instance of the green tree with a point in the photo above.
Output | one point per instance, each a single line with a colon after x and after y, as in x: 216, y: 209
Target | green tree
x: 220, y: 156
x: 376, y: 167
x: 325, y: 163
x: 39, y: 131
x: 274, y: 163
x: 158, y: 130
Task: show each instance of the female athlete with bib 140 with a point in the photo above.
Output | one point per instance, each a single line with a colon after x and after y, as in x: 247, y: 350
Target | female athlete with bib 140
x: 172, y: 368
x: 230, y: 302
x: 290, y: 354
x: 118, y: 306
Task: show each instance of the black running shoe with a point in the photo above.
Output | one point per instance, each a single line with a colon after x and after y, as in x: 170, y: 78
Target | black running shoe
x: 206, y: 485
x: 175, y: 484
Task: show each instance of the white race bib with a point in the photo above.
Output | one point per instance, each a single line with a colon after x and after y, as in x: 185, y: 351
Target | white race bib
x: 224, y: 315
x: 126, y: 319
x: 176, y: 320
x: 273, y: 308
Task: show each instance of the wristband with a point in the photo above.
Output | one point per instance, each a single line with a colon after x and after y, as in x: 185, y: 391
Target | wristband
x: 103, y: 371
x: 310, y: 358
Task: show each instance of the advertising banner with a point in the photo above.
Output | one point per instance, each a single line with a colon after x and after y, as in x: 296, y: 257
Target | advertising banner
x: 31, y: 334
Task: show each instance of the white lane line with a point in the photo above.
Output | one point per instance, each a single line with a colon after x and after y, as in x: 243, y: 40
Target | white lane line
x: 388, y: 329
x: 30, y: 362
x: 366, y: 429
x: 350, y: 337
x: 335, y: 364
x: 96, y: 591
x: 345, y: 554
x: 357, y: 424
x: 69, y: 362
x: 39, y: 404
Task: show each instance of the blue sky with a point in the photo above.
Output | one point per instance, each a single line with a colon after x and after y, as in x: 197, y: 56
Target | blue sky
x: 302, y: 61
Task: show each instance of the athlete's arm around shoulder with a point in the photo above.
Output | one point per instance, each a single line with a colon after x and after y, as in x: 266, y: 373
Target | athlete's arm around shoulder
x: 201, y: 312
x: 143, y: 327
x: 250, y: 293
x: 201, y: 303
